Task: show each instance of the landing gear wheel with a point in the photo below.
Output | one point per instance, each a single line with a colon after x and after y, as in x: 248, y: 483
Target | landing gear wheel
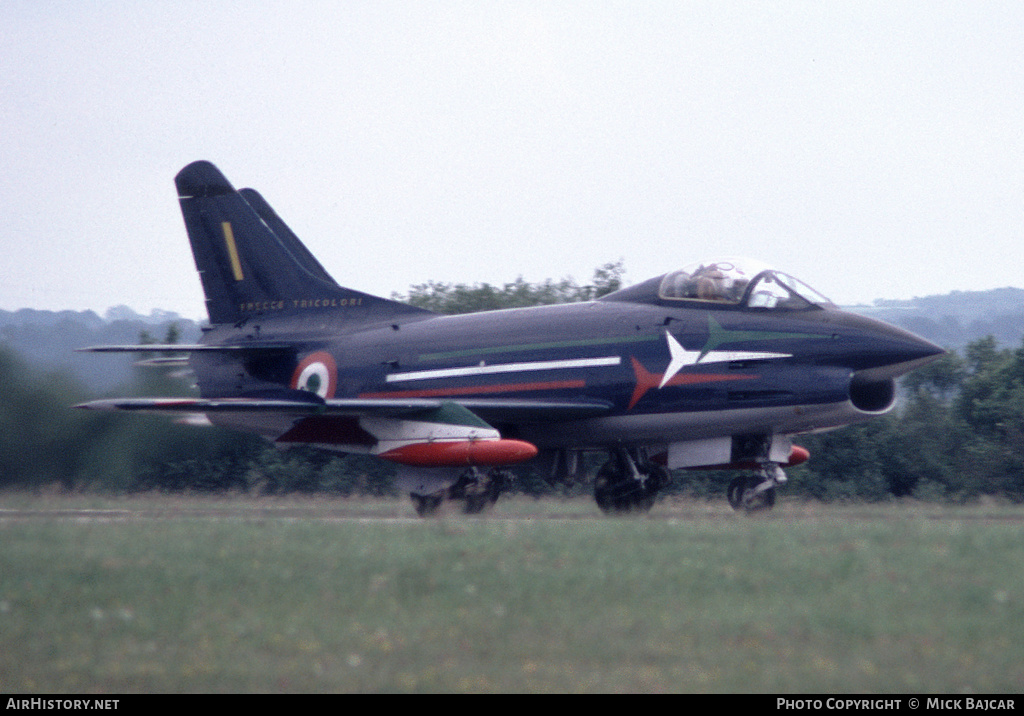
x: 743, y: 494
x: 479, y: 491
x: 484, y: 493
x: 426, y: 505
x: 616, y: 491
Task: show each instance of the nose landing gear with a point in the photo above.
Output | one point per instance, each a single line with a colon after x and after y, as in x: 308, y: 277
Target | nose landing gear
x: 756, y: 493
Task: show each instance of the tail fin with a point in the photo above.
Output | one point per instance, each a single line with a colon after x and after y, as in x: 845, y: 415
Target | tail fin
x: 285, y: 235
x: 251, y: 264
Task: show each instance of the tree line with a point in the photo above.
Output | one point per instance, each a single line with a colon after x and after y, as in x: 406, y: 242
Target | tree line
x: 958, y: 433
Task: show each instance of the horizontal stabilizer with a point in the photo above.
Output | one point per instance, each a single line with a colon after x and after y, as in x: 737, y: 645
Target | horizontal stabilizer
x: 187, y: 348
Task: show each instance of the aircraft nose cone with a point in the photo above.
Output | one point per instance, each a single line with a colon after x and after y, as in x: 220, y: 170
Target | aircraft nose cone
x: 912, y: 351
x: 885, y: 351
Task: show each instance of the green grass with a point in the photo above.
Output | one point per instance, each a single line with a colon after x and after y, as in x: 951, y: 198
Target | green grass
x: 174, y: 595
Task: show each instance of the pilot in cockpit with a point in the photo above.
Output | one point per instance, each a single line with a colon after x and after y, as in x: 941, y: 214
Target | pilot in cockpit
x: 730, y: 281
x: 710, y: 283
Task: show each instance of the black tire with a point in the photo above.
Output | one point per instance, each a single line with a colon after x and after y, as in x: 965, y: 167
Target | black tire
x: 480, y: 496
x: 741, y: 486
x: 616, y: 494
x: 426, y: 505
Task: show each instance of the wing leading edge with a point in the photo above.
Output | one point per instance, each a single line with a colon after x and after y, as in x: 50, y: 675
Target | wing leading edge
x: 495, y: 409
x: 415, y: 431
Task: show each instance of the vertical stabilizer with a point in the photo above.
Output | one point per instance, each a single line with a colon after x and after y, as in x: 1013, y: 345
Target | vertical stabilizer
x: 287, y: 237
x: 251, y: 264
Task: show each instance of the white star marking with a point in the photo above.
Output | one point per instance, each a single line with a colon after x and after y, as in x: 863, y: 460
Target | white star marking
x: 681, y: 358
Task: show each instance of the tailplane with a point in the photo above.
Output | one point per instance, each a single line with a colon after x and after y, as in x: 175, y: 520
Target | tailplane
x: 251, y: 264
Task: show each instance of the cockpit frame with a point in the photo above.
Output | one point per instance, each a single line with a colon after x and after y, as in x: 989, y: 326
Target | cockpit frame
x: 742, y: 283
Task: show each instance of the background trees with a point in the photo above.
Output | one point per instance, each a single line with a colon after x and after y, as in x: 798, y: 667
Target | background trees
x: 449, y: 298
x: 957, y: 434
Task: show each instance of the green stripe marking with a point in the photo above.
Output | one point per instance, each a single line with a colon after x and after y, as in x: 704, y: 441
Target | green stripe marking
x: 540, y: 346
x: 718, y: 336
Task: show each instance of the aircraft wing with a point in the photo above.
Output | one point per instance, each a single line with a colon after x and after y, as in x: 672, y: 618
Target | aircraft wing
x: 411, y: 431
x: 258, y: 405
x: 490, y: 409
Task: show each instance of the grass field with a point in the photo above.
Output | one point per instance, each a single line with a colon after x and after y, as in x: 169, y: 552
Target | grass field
x: 153, y: 594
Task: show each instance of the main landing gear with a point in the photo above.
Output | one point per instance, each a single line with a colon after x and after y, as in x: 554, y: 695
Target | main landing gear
x: 628, y: 482
x: 756, y: 493
x: 477, y: 490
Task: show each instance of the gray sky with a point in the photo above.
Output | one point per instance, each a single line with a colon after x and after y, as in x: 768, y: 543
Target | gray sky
x: 873, y: 149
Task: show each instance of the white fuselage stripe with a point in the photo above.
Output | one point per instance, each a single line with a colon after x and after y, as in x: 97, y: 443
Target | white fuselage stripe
x: 504, y: 368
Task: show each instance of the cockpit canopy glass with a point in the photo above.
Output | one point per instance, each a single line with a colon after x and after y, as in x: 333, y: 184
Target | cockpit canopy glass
x: 739, y: 282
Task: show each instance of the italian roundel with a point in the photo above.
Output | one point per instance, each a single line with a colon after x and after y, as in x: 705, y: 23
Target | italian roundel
x: 317, y: 373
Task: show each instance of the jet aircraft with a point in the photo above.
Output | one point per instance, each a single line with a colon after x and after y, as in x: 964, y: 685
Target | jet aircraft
x: 717, y: 365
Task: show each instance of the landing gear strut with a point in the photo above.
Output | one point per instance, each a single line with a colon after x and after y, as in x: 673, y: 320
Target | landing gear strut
x: 476, y: 489
x: 756, y: 493
x: 426, y: 505
x: 628, y: 482
x: 479, y: 489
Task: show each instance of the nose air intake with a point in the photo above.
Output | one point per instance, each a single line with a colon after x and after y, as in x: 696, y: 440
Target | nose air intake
x: 873, y: 396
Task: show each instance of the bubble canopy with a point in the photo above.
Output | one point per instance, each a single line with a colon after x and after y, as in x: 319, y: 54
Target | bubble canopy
x: 739, y: 282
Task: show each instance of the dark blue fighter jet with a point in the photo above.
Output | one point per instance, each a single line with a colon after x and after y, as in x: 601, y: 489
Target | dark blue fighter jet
x: 719, y: 364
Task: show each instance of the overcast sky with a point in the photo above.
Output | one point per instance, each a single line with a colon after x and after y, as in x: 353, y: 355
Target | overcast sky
x: 872, y: 149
